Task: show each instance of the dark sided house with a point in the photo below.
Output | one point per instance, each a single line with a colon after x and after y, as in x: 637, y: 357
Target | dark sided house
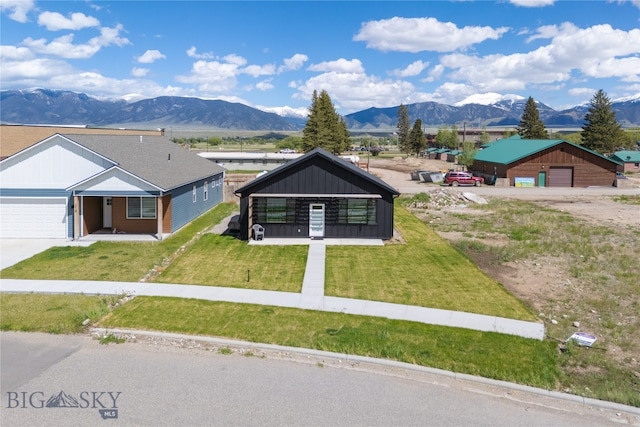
x: 318, y: 195
x: 544, y: 163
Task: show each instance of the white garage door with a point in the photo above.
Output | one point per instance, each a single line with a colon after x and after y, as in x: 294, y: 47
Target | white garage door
x: 33, y: 218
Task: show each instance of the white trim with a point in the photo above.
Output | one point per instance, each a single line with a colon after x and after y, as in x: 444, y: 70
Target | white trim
x: 301, y: 195
x: 111, y: 169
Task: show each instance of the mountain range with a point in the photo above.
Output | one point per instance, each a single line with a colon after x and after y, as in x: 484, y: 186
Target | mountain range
x: 54, y: 107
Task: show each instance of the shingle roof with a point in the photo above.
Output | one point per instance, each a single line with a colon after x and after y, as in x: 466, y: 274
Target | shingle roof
x: 319, y: 152
x: 626, y: 156
x: 509, y: 150
x: 153, y: 158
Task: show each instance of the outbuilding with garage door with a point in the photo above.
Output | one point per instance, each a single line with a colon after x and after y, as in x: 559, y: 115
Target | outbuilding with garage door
x: 521, y: 162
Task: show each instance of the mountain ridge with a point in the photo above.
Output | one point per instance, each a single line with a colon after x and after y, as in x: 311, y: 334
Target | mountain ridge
x: 45, y: 106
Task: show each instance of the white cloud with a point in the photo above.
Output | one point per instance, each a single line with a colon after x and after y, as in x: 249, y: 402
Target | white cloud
x: 293, y: 63
x: 356, y: 91
x: 139, y: 72
x: 17, y: 10
x: 55, y: 21
x: 435, y: 73
x: 264, y: 85
x: 191, y: 52
x: 581, y: 91
x: 150, y: 56
x: 259, y: 70
x: 339, y: 66
x: 532, y: 3
x: 212, y: 76
x: 65, y: 48
x: 413, y: 69
x: 599, y: 51
x: 423, y: 34
x: 235, y: 59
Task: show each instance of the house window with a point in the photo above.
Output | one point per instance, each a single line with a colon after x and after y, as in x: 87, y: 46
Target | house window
x: 636, y: 165
x: 205, y: 194
x: 357, y: 211
x: 275, y: 210
x: 141, y: 207
x: 195, y: 194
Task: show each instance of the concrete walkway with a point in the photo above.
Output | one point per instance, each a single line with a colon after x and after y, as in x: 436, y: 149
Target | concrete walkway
x: 312, y: 296
x: 285, y: 299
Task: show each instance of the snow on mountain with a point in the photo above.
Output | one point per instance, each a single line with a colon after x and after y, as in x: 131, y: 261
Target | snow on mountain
x: 286, y: 111
x: 489, y: 98
x: 631, y: 98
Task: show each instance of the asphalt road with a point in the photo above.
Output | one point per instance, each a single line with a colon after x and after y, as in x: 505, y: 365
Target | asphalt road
x: 143, y: 384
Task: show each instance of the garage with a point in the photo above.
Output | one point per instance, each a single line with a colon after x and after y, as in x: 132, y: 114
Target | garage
x: 561, y: 177
x: 33, y: 218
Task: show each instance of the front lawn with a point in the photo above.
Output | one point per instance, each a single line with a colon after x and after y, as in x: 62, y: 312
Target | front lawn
x: 426, y: 271
x: 111, y: 261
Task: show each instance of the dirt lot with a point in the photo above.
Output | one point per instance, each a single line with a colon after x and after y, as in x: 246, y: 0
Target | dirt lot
x: 565, y: 299
x: 592, y: 204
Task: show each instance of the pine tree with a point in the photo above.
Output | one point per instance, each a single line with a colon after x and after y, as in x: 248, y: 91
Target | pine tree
x: 403, y: 130
x: 325, y: 128
x: 602, y: 132
x: 531, y: 127
x: 417, y: 141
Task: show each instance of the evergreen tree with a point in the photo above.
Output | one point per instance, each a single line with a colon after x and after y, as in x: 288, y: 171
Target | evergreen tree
x: 446, y: 138
x: 417, y: 141
x: 403, y: 130
x: 325, y: 128
x: 602, y: 132
x: 531, y: 127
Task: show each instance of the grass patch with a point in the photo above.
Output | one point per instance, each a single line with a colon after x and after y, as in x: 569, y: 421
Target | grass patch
x: 111, y: 261
x: 427, y: 272
x: 54, y: 314
x: 218, y: 260
x: 490, y: 355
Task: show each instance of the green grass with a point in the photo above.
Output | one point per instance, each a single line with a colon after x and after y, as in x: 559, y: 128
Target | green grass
x: 225, y: 261
x: 111, y: 261
x: 54, y: 314
x: 490, y: 355
x: 427, y: 271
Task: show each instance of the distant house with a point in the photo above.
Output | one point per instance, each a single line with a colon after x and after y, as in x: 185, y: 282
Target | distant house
x: 544, y: 163
x: 248, y: 161
x: 69, y: 186
x: 630, y: 160
x: 318, y: 195
x: 14, y: 138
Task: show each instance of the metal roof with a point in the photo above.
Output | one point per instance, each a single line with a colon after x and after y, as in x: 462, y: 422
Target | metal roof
x: 319, y: 152
x: 509, y: 150
x: 155, y: 159
x: 626, y: 156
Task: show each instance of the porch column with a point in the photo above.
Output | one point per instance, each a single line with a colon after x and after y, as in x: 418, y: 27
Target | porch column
x: 76, y: 217
x: 159, y: 216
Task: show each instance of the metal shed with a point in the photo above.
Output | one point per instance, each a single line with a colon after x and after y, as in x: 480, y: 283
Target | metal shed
x: 544, y: 163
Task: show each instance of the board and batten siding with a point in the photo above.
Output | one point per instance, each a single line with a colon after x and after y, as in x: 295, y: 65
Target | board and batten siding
x: 315, y: 177
x: 184, y: 210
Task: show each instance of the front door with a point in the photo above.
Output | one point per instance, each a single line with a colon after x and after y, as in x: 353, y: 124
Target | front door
x: 542, y: 179
x: 106, y: 212
x: 316, y: 220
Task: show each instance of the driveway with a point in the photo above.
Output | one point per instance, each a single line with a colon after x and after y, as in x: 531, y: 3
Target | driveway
x: 12, y: 251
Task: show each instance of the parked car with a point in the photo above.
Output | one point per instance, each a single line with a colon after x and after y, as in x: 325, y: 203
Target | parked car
x: 620, y: 175
x: 462, y: 178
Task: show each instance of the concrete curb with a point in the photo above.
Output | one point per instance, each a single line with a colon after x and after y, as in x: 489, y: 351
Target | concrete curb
x: 585, y: 401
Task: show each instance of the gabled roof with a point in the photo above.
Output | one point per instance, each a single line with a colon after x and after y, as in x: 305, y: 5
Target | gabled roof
x: 626, y: 156
x: 154, y: 159
x: 319, y: 152
x: 509, y: 150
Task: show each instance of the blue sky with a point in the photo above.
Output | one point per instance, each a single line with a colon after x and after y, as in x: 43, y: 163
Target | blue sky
x: 272, y: 55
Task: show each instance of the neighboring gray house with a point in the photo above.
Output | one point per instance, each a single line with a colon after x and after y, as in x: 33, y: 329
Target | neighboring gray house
x: 69, y: 186
x: 318, y: 195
